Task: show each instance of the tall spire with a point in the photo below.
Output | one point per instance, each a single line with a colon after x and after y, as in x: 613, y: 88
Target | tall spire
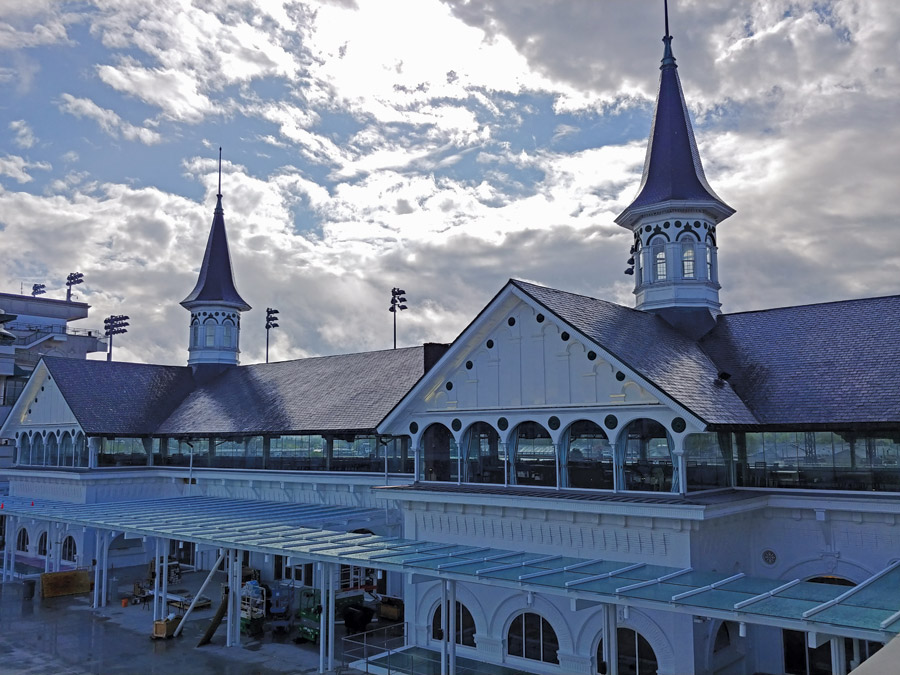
x: 672, y: 167
x: 215, y: 303
x: 674, y: 215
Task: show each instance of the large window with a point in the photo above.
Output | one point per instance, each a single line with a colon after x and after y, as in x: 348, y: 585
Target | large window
x: 42, y: 544
x: 636, y: 656
x: 485, y: 460
x: 123, y: 452
x: 22, y: 541
x: 535, y: 456
x: 69, y: 550
x: 708, y: 460
x: 589, y: 457
x: 440, y: 454
x: 659, y: 262
x: 465, y: 625
x: 645, y: 451
x: 210, y: 329
x: 687, y: 259
x: 532, y: 637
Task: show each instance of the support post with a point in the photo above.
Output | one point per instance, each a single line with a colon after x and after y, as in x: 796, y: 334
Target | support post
x: 838, y: 656
x: 610, y: 644
x: 164, y: 600
x: 203, y: 586
x: 323, y: 619
x: 445, y: 626
x: 104, y: 572
x: 451, y: 621
x: 97, y: 559
x: 331, y: 594
x: 157, y: 586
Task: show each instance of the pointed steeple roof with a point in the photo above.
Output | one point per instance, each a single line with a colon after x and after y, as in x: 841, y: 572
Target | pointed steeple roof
x: 216, y: 281
x: 672, y: 168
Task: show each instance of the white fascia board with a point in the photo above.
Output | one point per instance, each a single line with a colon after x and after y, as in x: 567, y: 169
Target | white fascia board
x: 460, y: 345
x: 691, y: 418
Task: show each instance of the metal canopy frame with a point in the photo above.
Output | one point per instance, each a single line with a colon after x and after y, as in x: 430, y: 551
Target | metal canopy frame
x: 869, y: 611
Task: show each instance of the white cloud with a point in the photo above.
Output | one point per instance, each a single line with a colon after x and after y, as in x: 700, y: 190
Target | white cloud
x: 17, y: 168
x: 23, y: 136
x: 108, y: 120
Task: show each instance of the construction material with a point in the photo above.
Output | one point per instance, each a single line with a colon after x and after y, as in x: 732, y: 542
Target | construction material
x: 56, y: 584
x: 216, y: 622
x: 165, y: 628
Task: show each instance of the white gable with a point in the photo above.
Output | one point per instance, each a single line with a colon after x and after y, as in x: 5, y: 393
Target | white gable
x: 41, y: 406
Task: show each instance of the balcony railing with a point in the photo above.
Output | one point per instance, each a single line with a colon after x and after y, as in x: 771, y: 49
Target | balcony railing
x: 38, y: 332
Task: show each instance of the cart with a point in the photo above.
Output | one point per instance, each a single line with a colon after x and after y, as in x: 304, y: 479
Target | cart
x: 281, y: 607
x: 253, y: 608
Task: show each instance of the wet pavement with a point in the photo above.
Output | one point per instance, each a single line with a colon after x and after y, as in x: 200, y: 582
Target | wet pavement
x: 64, y: 635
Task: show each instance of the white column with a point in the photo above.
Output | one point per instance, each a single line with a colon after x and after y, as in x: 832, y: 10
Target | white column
x: 451, y: 621
x: 838, y: 656
x: 157, y: 587
x: 97, y: 560
x: 323, y: 615
x: 236, y: 624
x: 331, y: 593
x: 445, y: 626
x: 164, y: 600
x: 558, y: 465
x: 104, y: 572
x: 229, y: 614
x: 49, y: 547
x: 610, y: 645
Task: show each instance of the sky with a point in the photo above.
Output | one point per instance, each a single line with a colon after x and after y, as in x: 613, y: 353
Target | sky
x: 442, y: 147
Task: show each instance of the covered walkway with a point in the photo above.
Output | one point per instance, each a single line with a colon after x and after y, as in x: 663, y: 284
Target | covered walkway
x: 313, y: 533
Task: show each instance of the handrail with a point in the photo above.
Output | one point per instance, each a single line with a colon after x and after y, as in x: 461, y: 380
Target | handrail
x: 38, y: 331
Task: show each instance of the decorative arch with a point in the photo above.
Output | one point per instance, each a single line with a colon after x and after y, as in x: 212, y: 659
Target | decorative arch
x: 22, y: 540
x: 586, y: 457
x: 69, y: 549
x: 209, y: 332
x: 24, y: 449
x: 534, y: 455
x: 66, y: 450
x: 37, y: 450
x: 440, y: 454
x: 43, y: 547
x: 506, y: 612
x: 688, y: 235
x: 431, y: 600
x: 653, y: 634
x: 484, y: 456
x: 644, y: 457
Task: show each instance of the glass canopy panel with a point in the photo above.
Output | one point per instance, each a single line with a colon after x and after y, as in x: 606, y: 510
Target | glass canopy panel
x: 787, y: 608
x: 715, y: 599
x: 852, y: 617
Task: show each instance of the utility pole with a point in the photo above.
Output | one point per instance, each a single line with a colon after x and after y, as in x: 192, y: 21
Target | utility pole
x: 397, y: 306
x: 271, y: 322
x: 114, y: 325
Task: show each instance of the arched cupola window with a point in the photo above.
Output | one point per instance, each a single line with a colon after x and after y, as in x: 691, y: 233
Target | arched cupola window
x: 228, y: 333
x: 658, y: 251
x: 532, y: 637
x: 687, y: 259
x: 210, y: 327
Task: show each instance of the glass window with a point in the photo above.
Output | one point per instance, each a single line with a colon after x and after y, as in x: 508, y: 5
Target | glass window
x: 123, y: 452
x: 69, y: 550
x: 709, y: 264
x: 465, y: 625
x: 532, y: 637
x: 440, y: 454
x: 210, y: 330
x: 22, y: 541
x: 535, y: 456
x: 687, y: 260
x: 297, y: 453
x: 485, y: 459
x: 645, y: 452
x: 42, y: 544
x: 659, y: 263
x: 588, y: 457
x: 238, y: 452
x: 635, y: 653
x: 228, y: 334
x: 708, y: 460
x: 24, y: 449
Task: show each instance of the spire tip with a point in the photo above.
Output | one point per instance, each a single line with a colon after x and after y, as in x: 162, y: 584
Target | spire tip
x: 219, y: 194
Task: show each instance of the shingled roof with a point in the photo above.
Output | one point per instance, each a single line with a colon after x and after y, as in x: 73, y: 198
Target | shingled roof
x: 118, y: 398
x: 328, y: 393
x: 644, y: 342
x: 832, y: 364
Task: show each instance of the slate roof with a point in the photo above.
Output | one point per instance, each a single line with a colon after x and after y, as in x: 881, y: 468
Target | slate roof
x: 118, y: 398
x: 328, y: 393
x: 216, y: 280
x: 648, y: 345
x: 672, y: 167
x: 836, y: 363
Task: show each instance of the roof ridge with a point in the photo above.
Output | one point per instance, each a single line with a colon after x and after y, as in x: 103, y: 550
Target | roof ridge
x: 582, y: 295
x: 332, y: 356
x: 811, y: 304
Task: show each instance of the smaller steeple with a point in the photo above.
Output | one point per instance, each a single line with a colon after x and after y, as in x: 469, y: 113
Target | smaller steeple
x: 674, y: 215
x: 215, y: 303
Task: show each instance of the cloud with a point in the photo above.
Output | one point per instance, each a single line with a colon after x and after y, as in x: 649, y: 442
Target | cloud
x: 108, y: 120
x: 17, y: 168
x: 23, y: 136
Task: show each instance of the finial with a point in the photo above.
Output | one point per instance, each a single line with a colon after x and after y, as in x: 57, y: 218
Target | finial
x: 666, y: 7
x: 220, y: 172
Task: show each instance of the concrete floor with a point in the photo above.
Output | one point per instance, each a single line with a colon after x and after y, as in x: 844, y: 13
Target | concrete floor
x: 64, y: 635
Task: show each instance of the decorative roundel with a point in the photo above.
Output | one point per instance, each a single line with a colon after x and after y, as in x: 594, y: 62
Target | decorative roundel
x: 456, y: 424
x: 511, y: 321
x: 610, y: 421
x: 647, y: 228
x: 469, y: 365
x: 677, y: 223
x: 697, y: 224
x: 540, y: 318
x: 217, y: 314
x: 449, y: 386
x: 413, y: 427
x: 553, y: 423
x: 679, y: 425
x: 564, y: 335
x: 620, y: 376
x: 666, y: 225
x: 489, y: 344
x: 769, y: 556
x: 503, y: 424
x: 592, y: 356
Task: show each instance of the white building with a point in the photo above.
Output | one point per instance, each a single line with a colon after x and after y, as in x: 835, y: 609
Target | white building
x: 584, y: 487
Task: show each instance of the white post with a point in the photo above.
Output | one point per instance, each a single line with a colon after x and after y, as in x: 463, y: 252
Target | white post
x: 610, y: 644
x: 323, y: 619
x: 164, y: 600
x: 203, y: 586
x: 332, y: 591
x: 156, y: 580
x: 47, y: 552
x: 97, y: 559
x: 451, y: 620
x: 107, y: 539
x: 838, y: 656
x: 229, y: 615
x: 445, y: 626
x: 556, y: 447
x: 236, y: 624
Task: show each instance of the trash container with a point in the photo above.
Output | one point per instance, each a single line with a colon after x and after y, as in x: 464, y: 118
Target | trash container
x: 28, y: 589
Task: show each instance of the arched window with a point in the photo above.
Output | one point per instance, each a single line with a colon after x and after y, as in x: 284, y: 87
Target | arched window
x: 210, y: 329
x: 69, y: 549
x: 636, y: 656
x: 81, y: 452
x: 687, y: 259
x: 52, y: 452
x: 42, y: 544
x: 465, y: 625
x: 532, y: 637
x: 723, y: 638
x: 195, y: 333
x: 709, y: 261
x: 228, y: 333
x: 37, y: 450
x: 24, y: 449
x: 440, y: 454
x: 535, y: 458
x: 485, y: 459
x: 645, y: 456
x: 659, y: 262
x: 22, y: 541
x: 589, y: 457
x: 67, y: 450
x: 799, y: 657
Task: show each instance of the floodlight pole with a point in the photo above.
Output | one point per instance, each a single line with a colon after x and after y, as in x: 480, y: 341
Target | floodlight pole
x: 114, y: 325
x: 397, y: 305
x: 271, y: 322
